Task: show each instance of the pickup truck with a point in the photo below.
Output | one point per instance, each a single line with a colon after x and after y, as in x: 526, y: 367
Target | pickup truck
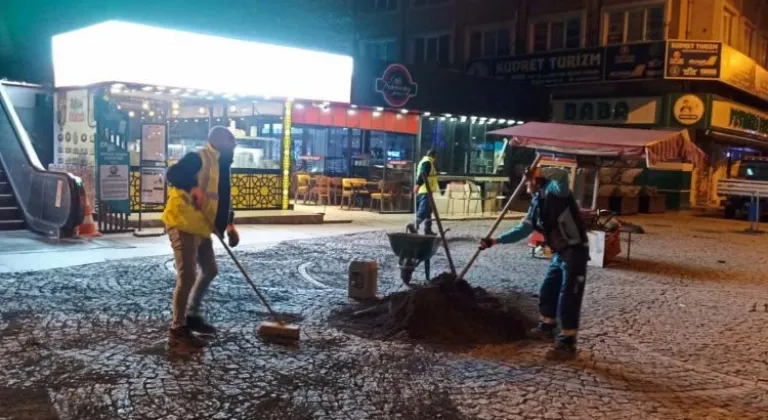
x: 737, y: 192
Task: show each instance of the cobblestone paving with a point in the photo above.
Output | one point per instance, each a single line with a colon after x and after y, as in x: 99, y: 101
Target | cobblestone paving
x: 677, y: 334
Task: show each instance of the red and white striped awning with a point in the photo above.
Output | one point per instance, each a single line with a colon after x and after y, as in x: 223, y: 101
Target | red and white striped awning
x: 654, y: 145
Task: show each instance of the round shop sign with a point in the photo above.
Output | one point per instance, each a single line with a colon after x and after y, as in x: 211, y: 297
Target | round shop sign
x: 396, y: 85
x: 688, y: 109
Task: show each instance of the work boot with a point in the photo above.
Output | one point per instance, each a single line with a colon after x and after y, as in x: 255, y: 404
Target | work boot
x: 564, y: 349
x: 429, y: 231
x: 411, y: 228
x: 183, y: 336
x: 542, y: 332
x: 198, y: 325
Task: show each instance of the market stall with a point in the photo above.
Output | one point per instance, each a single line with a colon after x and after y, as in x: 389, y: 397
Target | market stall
x: 595, y: 148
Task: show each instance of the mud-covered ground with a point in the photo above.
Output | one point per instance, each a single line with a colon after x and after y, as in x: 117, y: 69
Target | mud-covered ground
x: 678, y: 333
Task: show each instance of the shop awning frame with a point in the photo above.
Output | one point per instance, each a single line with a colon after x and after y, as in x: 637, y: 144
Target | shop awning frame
x: 655, y: 146
x: 131, y: 53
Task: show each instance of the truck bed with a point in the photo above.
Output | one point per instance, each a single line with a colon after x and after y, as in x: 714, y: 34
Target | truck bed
x: 742, y: 187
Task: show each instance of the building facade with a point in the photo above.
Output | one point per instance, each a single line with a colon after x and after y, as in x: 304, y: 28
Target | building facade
x: 695, y: 64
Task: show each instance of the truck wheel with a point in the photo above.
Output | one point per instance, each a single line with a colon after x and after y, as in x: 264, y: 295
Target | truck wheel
x: 730, y: 212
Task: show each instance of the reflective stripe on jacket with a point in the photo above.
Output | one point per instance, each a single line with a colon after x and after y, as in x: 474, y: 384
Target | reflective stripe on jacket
x: 431, y: 177
x: 181, y: 214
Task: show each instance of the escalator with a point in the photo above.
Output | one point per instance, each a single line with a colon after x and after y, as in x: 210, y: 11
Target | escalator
x: 50, y: 203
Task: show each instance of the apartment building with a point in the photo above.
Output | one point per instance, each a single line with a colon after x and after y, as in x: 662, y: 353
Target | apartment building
x: 693, y: 64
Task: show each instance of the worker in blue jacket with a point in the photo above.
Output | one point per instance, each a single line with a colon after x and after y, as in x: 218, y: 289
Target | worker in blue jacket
x: 555, y: 214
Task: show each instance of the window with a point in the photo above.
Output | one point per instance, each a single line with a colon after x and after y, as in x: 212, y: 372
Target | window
x: 380, y: 50
x: 635, y: 25
x: 378, y: 5
x: 762, y: 52
x: 422, y: 3
x: 748, y: 41
x: 490, y: 43
x: 728, y: 22
x: 432, y: 49
x: 556, y: 34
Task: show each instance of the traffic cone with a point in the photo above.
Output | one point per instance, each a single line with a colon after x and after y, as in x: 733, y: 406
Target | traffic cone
x: 88, y: 227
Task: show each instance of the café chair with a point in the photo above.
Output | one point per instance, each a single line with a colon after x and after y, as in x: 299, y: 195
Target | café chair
x: 456, y: 191
x: 475, y: 198
x: 387, y: 191
x: 302, y: 188
x: 321, y: 191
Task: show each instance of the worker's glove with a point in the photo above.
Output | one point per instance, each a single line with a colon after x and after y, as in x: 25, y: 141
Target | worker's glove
x: 486, y: 243
x: 416, y: 189
x: 233, y: 238
x: 198, y: 197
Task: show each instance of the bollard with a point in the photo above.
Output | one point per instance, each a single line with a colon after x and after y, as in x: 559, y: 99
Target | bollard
x: 757, y: 211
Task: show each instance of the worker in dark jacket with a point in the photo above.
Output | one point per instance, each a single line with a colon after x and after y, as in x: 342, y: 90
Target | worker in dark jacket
x: 554, y: 213
x: 198, y: 205
x: 423, y: 208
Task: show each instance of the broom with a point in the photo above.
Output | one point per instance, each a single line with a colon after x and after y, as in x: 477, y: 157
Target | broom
x: 267, y: 330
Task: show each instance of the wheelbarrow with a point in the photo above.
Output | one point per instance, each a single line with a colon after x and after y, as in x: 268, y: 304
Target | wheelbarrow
x: 413, y: 249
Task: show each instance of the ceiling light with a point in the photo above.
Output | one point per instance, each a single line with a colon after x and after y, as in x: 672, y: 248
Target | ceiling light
x: 426, y: 114
x: 175, y: 112
x: 175, y: 105
x: 160, y: 88
x: 399, y: 117
x: 201, y: 110
x: 353, y: 106
x: 266, y: 98
x: 175, y: 91
x: 233, y: 108
x: 520, y: 122
x: 511, y: 121
x: 202, y: 93
x: 502, y: 121
x: 403, y: 111
x: 378, y: 108
x: 299, y: 106
x: 151, y: 113
x: 131, y: 114
x: 431, y: 118
x: 492, y: 120
x: 376, y: 114
x: 351, y: 112
x: 145, y: 105
x: 442, y: 118
x: 147, y: 88
x: 448, y: 115
x: 463, y: 118
x: 117, y: 86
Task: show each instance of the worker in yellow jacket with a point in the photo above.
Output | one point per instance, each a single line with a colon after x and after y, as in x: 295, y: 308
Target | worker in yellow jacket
x: 423, y: 208
x: 198, y: 205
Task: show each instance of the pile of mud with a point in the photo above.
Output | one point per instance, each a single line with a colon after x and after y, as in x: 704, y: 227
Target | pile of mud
x: 444, y: 311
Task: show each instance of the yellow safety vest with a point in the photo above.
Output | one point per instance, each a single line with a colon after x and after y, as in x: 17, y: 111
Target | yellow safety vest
x: 181, y: 214
x: 431, y: 178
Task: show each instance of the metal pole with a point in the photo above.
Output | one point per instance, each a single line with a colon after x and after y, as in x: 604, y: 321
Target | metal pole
x: 496, y: 224
x: 757, y: 212
x: 596, y: 188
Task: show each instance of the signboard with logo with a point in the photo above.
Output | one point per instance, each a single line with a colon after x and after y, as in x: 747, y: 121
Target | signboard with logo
x: 564, y: 67
x: 74, y: 128
x: 737, y: 117
x: 693, y: 60
x: 688, y: 109
x: 113, y: 173
x: 738, y: 70
x: 396, y: 85
x: 607, y: 111
x: 635, y: 61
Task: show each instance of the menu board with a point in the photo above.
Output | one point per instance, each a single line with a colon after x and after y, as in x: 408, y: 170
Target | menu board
x: 153, y: 142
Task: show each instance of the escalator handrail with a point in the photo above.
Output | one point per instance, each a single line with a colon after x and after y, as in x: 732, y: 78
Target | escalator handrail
x: 21, y: 133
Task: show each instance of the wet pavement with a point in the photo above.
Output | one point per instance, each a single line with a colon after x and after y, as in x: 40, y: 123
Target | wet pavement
x: 678, y: 333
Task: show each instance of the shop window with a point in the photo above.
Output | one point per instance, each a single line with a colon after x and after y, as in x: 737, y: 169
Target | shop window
x: 490, y: 43
x: 378, y: 5
x: 634, y: 25
x: 422, y: 3
x: 556, y: 34
x: 729, y: 19
x: 385, y: 50
x: 432, y: 49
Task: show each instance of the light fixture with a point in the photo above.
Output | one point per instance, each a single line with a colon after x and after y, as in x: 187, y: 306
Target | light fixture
x: 196, y: 120
x: 117, y: 86
x: 131, y: 114
x: 449, y: 115
x: 378, y: 108
x: 426, y: 114
x: 175, y: 91
x: 202, y: 93
x: 145, y: 105
x: 502, y: 121
x: 233, y: 108
x: 399, y: 117
x: 492, y: 120
x: 151, y: 113
x: 119, y: 107
x: 175, y: 105
x: 201, y: 110
x: 511, y: 121
x: 147, y: 88
x: 520, y: 122
x: 298, y: 106
x: 353, y: 106
x: 403, y: 111
x: 376, y: 114
x: 442, y: 118
x: 431, y: 118
x: 266, y: 98
x: 175, y: 112
x: 351, y: 112
x: 463, y: 118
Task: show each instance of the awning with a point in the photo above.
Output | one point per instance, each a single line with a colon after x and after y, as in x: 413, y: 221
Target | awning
x: 654, y: 145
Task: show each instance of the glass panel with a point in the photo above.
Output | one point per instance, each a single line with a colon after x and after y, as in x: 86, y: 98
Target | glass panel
x: 573, y: 33
x: 540, y: 36
x: 431, y: 52
x: 337, y: 158
x: 615, y: 28
x: 635, y: 22
x: 444, y: 49
x: 557, y: 36
x: 654, y: 26
x: 727, y: 27
x: 489, y: 44
x: 418, y: 50
x: 475, y: 45
x: 503, y: 43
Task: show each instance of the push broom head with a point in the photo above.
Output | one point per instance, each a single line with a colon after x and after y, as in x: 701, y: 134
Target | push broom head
x: 275, y: 331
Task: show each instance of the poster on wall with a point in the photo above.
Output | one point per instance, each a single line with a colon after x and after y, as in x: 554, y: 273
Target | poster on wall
x: 152, y: 185
x: 154, y: 142
x: 74, y: 128
x: 114, y: 174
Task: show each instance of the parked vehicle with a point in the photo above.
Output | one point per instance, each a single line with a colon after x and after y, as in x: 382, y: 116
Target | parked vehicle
x: 752, y: 181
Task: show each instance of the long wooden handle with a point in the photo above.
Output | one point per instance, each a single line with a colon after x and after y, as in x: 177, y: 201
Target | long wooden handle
x: 439, y: 224
x: 496, y: 224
